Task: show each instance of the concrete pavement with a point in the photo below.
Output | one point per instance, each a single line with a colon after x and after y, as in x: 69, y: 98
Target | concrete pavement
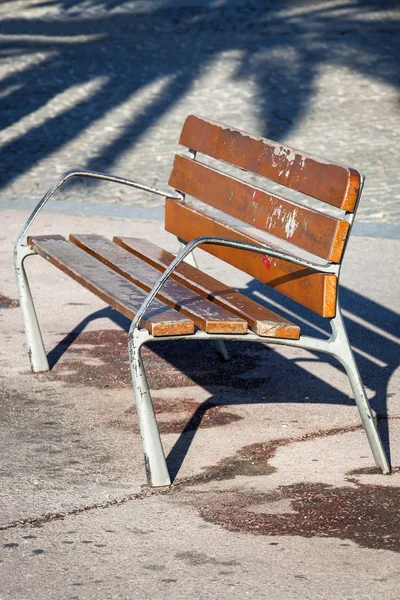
x: 275, y: 494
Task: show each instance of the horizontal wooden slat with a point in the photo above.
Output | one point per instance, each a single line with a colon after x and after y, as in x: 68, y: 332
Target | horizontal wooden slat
x: 313, y: 231
x: 316, y: 291
x: 206, y: 315
x: 311, y: 175
x: 261, y: 320
x: 117, y: 291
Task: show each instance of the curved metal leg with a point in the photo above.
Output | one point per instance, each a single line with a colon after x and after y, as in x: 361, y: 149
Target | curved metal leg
x: 347, y: 359
x: 154, y: 459
x: 221, y: 348
x: 344, y: 354
x: 36, y: 349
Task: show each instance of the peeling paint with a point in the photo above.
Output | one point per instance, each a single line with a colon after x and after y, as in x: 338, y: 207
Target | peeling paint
x: 291, y: 224
x: 287, y: 219
x: 277, y: 212
x: 290, y: 155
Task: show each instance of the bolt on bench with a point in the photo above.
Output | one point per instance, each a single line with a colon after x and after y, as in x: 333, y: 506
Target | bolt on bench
x: 166, y: 298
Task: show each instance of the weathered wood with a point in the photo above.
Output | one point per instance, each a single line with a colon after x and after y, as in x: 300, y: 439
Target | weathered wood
x: 117, y: 291
x: 261, y: 320
x: 316, y: 291
x: 327, y: 181
x: 313, y: 231
x: 206, y: 315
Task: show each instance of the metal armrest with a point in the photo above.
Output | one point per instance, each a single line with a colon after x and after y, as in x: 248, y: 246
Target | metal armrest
x: 93, y: 175
x: 327, y: 268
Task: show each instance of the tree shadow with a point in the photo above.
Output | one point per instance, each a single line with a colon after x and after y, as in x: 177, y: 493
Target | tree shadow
x: 118, y: 51
x: 256, y: 374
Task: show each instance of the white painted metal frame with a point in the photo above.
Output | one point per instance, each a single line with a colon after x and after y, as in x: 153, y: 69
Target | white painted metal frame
x: 336, y: 345
x: 36, y: 350
x: 156, y: 468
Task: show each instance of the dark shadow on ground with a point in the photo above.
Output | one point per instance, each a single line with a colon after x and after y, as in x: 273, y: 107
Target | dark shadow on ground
x: 256, y: 374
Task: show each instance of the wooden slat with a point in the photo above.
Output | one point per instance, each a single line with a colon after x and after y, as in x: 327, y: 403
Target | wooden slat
x: 327, y: 181
x: 313, y: 231
x: 261, y: 320
x: 109, y: 286
x: 316, y: 291
x: 206, y: 315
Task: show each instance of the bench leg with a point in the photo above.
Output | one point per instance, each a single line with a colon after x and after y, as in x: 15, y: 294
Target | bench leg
x: 154, y: 459
x: 36, y: 350
x: 345, y: 356
x: 221, y: 348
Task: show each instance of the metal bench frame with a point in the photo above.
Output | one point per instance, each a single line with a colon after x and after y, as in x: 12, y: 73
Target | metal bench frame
x: 337, y: 345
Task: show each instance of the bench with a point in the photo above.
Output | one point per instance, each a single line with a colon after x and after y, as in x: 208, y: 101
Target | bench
x: 168, y: 297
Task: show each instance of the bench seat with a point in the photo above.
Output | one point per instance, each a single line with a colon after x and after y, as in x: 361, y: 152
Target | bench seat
x: 121, y: 272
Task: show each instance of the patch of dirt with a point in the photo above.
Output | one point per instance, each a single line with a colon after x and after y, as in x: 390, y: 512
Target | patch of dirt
x: 254, y: 459
x: 178, y: 415
x: 93, y: 359
x: 100, y: 359
x: 369, y: 515
x: 250, y: 461
x: 366, y: 514
x: 370, y: 471
x: 6, y: 302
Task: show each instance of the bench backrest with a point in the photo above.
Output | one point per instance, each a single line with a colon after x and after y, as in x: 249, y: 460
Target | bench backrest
x: 312, y: 230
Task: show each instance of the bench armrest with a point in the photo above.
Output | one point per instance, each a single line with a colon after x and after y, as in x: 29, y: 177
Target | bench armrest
x: 190, y: 246
x: 93, y: 175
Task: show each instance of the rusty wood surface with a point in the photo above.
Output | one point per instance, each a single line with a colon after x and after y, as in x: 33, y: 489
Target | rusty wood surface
x: 316, y: 291
x: 261, y: 320
x: 206, y: 315
x: 311, y: 175
x: 309, y: 229
x: 117, y: 291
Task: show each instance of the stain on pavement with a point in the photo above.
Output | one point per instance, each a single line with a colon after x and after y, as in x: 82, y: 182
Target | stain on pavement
x: 6, y: 302
x: 100, y: 359
x: 368, y: 515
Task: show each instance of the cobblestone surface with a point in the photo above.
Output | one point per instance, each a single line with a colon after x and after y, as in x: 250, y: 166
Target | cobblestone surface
x: 107, y: 85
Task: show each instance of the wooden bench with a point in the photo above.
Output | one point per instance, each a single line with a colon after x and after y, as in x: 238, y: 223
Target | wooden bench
x: 167, y: 298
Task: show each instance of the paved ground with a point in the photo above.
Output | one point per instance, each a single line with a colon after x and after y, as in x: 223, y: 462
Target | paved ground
x: 275, y: 494
x: 107, y: 86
